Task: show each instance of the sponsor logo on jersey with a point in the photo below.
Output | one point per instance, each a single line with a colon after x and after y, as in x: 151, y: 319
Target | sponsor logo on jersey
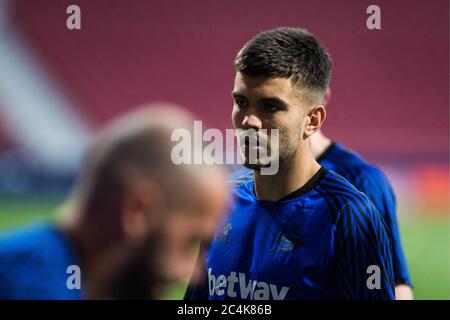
x: 236, y: 285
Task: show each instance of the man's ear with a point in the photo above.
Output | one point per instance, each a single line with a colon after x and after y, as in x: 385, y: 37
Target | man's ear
x: 141, y: 208
x: 314, y: 119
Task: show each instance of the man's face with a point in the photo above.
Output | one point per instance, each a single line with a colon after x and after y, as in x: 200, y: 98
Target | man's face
x: 164, y: 232
x: 182, y: 231
x: 269, y: 103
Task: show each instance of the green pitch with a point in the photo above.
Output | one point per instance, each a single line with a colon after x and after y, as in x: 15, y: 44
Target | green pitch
x: 425, y: 240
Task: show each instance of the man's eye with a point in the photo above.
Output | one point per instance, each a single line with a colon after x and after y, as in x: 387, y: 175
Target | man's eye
x: 270, y: 107
x: 241, y: 103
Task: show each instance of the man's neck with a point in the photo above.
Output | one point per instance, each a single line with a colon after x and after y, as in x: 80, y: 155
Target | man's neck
x: 287, y: 180
x: 319, y: 143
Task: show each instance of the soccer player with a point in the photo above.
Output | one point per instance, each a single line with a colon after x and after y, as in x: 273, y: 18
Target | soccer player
x: 366, y: 178
x: 305, y: 232
x: 132, y: 223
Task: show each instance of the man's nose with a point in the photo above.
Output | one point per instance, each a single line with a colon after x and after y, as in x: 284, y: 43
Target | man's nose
x: 251, y: 121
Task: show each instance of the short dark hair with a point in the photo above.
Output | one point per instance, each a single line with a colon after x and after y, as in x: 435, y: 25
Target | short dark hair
x: 287, y: 53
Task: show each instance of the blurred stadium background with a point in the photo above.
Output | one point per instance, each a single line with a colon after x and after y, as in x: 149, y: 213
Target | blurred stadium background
x: 390, y: 94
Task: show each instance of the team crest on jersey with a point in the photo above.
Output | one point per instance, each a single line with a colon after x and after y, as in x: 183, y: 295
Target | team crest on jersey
x: 285, y: 244
x: 224, y: 234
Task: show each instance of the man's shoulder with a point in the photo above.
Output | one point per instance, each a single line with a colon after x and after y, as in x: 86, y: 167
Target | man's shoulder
x: 24, y: 238
x: 239, y: 177
x: 240, y: 183
x: 32, y: 259
x: 351, y: 165
x: 30, y: 234
x: 339, y: 193
x: 26, y: 247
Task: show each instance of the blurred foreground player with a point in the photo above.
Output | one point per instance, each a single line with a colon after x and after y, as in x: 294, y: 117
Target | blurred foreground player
x: 132, y: 224
x: 305, y: 232
x: 368, y: 179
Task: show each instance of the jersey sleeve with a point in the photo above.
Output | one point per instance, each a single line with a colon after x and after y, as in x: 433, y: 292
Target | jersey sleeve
x: 362, y: 254
x: 378, y: 189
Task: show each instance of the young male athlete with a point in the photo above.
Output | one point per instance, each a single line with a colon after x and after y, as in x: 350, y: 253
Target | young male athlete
x: 366, y: 178
x: 305, y: 232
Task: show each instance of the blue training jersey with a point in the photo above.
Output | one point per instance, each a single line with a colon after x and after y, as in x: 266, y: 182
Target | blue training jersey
x: 368, y: 179
x: 371, y: 180
x: 34, y: 262
x: 323, y: 241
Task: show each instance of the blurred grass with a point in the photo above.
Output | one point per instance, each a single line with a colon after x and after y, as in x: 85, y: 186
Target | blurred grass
x: 426, y: 244
x: 18, y: 211
x: 425, y: 241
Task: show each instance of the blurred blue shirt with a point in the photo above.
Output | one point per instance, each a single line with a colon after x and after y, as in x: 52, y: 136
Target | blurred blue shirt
x: 34, y: 262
